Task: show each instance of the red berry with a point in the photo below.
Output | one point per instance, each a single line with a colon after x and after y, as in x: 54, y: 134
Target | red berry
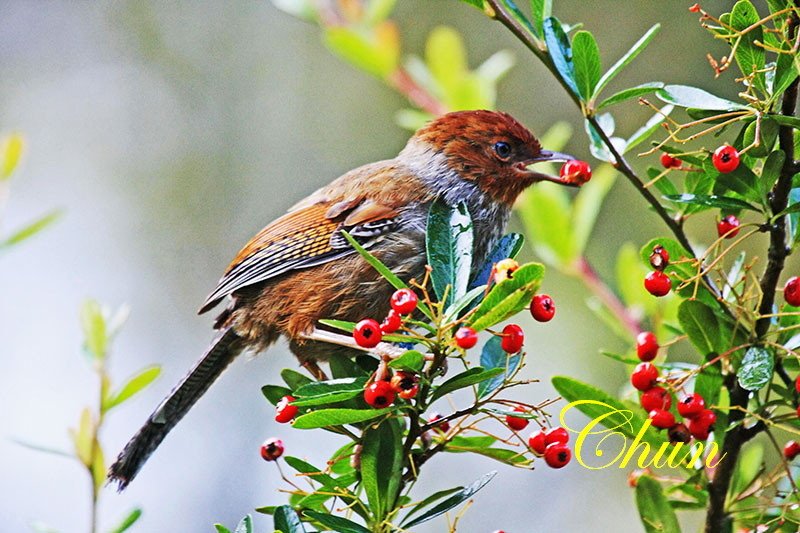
x: 695, y: 8
x: 691, y: 405
x: 700, y: 426
x: 392, y: 322
x: 646, y: 346
x: 367, y: 333
x: 405, y: 384
x: 466, y: 338
x: 404, y: 301
x: 728, y: 227
x: 556, y: 435
x: 644, y: 376
x: 797, y: 384
x: 659, y: 257
x: 512, y: 338
x: 679, y: 433
x: 516, y: 423
x: 444, y: 427
x: 576, y: 172
x: 656, y: 398
x: 284, y: 411
x: 379, y: 394
x: 791, y: 450
x: 662, y: 419
x: 657, y: 283
x: 543, y: 309
x: 667, y: 161
x: 271, y: 449
x: 725, y: 158
x: 791, y: 293
x: 557, y: 455
x: 537, y: 442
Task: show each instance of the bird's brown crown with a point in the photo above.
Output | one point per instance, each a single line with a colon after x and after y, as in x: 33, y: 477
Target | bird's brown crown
x: 488, y: 147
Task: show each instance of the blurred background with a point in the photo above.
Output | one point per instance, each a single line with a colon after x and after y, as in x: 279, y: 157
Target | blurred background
x: 169, y: 134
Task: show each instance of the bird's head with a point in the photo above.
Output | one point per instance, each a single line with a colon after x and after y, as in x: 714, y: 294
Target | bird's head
x: 489, y: 148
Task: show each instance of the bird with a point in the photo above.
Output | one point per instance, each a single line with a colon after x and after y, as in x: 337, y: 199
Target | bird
x: 300, y: 268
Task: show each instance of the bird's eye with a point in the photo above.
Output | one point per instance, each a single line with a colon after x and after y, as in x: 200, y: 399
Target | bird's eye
x: 502, y: 149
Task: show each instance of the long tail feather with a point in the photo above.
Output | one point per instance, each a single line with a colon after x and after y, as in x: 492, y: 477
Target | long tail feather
x: 223, y: 349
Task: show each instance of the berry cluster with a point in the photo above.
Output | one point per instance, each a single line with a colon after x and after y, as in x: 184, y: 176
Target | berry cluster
x: 657, y: 282
x: 552, y: 444
x: 657, y: 401
x: 368, y: 333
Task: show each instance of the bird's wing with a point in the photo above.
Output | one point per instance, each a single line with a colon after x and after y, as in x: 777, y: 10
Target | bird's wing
x: 309, y: 235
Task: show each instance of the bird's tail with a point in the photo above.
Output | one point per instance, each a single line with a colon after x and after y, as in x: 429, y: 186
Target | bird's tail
x: 223, y: 349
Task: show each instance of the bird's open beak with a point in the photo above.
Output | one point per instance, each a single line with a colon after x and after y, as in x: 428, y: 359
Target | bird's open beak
x: 547, y: 156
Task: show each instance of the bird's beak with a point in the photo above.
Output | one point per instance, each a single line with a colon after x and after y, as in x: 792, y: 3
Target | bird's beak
x: 547, y: 156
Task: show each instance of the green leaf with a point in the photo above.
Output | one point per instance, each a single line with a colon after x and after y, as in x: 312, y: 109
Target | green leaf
x: 628, y: 94
x: 451, y: 502
x: 471, y: 299
x: 586, y: 58
x: 384, y: 271
x: 312, y: 472
x: 493, y: 356
x: 587, y: 205
x: 709, y: 383
x: 11, y: 149
x: 381, y: 467
x: 430, y: 499
x: 701, y: 325
x: 294, y: 379
x: 508, y: 246
x: 560, y: 51
x: 474, y: 3
x: 785, y: 120
x: 654, y: 509
x: 274, y: 393
x: 327, y: 392
x: 721, y: 202
x: 771, y: 170
x: 377, y: 53
x: 338, y: 417
x: 135, y: 384
x: 540, y: 10
x: 599, y: 404
x: 508, y: 297
x: 742, y: 180
x: 221, y: 529
x: 449, y: 249
x: 336, y: 523
x: 94, y: 327
x: 757, y: 367
x: 245, y: 525
x: 31, y: 229
x: 749, y: 56
x: 686, y: 96
x: 545, y: 212
x: 128, y: 521
x: 446, y: 57
x: 287, y: 521
x: 629, y: 56
x: 785, y: 73
x: 769, y: 134
x: 470, y: 377
x: 412, y: 360
x: 649, y: 128
x: 504, y: 455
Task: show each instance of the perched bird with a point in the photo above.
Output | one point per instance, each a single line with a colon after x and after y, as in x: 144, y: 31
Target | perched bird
x: 300, y: 268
